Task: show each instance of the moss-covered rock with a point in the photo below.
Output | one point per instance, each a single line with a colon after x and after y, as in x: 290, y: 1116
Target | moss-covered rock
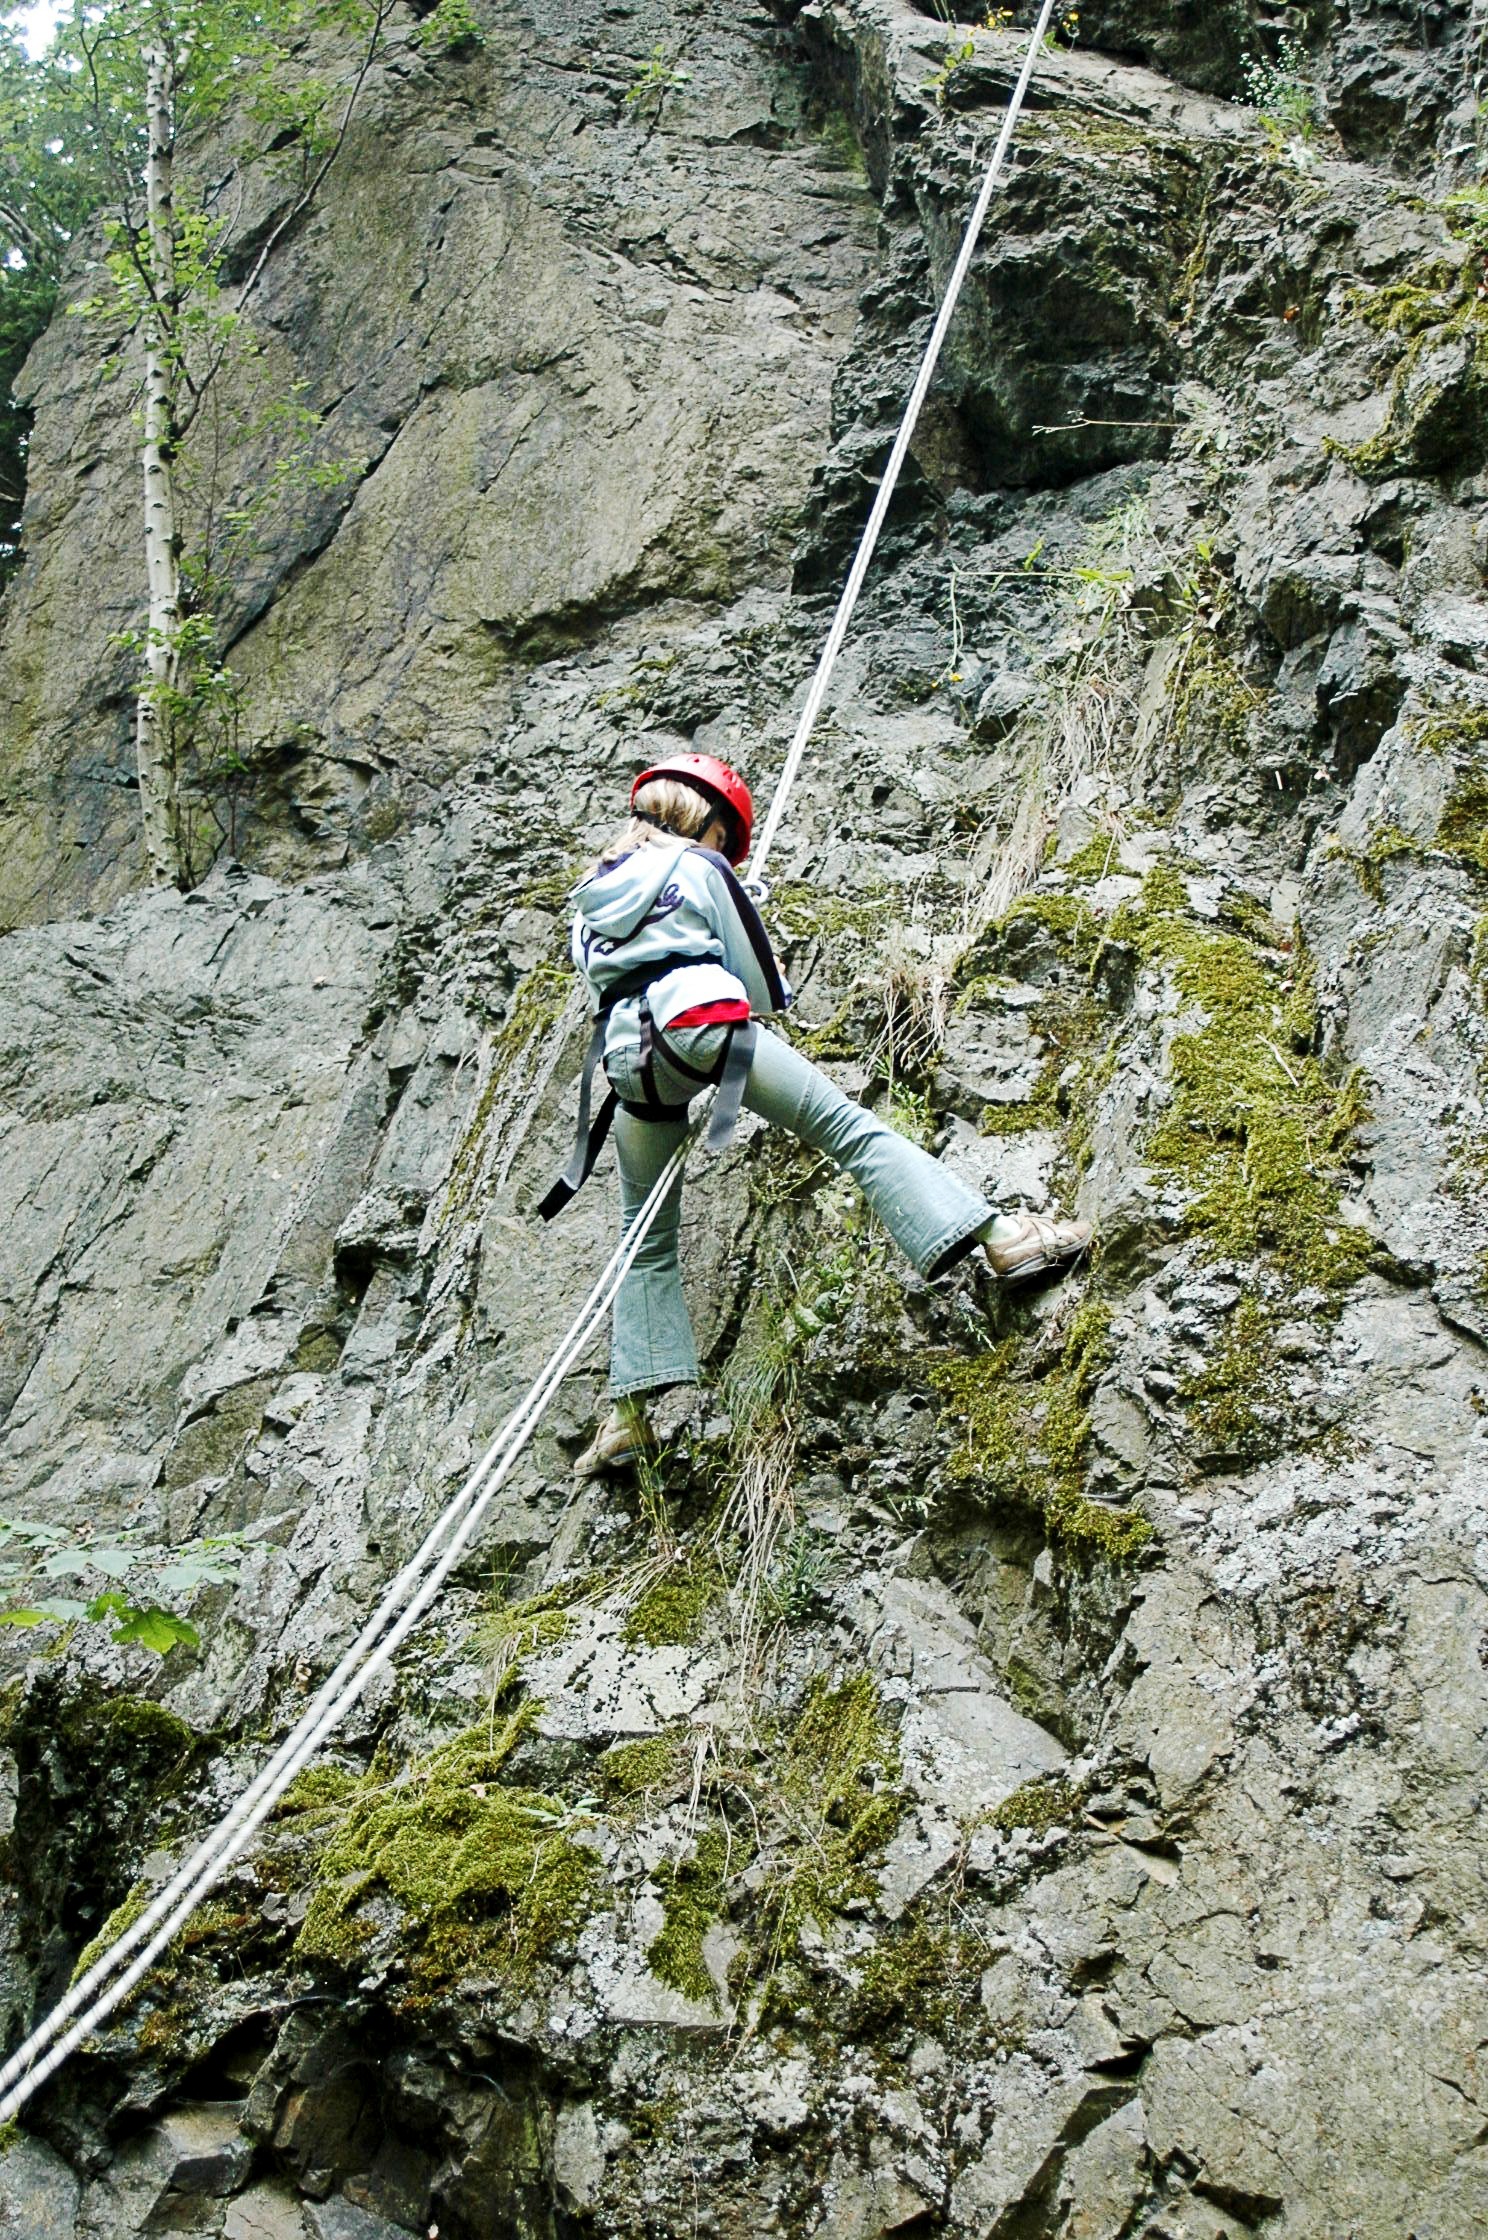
x: 485, y: 1877
x: 1255, y: 1130
x: 1023, y: 1408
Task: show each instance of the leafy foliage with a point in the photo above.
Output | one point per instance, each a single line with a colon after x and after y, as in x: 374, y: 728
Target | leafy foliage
x: 120, y: 1581
x: 51, y: 178
x: 655, y: 79
x: 233, y: 79
x: 1283, y: 90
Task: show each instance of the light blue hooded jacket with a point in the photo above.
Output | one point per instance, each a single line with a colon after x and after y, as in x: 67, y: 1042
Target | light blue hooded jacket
x: 671, y: 902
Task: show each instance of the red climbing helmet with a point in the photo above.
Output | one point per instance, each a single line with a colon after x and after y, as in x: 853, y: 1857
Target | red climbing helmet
x: 720, y: 784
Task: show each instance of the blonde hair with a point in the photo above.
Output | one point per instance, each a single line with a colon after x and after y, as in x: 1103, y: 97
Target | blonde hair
x: 681, y: 812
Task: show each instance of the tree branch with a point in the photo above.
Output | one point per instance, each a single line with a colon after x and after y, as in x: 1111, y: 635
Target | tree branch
x: 382, y: 9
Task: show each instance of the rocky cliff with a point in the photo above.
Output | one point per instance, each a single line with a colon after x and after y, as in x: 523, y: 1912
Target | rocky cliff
x: 1015, y: 1767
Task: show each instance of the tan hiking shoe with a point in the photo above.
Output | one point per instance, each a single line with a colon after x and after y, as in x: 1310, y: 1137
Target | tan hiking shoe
x: 623, y: 1437
x: 1032, y: 1246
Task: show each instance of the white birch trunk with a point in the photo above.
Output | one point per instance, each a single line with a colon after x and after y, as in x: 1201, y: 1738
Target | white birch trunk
x: 154, y: 728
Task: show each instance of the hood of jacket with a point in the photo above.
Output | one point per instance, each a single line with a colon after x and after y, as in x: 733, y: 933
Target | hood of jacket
x: 614, y: 900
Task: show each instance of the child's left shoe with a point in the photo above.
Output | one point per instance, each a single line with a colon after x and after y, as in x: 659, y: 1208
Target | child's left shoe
x: 625, y: 1436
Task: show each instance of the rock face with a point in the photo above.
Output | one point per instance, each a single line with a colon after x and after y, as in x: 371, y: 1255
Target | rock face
x: 1015, y: 1767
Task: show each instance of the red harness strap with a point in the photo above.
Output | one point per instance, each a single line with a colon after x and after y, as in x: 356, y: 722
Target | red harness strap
x: 728, y: 1011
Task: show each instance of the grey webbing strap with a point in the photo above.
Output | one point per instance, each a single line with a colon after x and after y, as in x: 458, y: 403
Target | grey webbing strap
x: 736, y: 1064
x: 588, y: 1139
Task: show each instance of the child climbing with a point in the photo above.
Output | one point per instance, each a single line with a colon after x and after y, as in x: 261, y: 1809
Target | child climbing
x: 678, y: 969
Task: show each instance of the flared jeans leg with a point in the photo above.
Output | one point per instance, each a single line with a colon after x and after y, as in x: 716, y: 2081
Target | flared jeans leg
x: 652, y: 1342
x: 932, y: 1216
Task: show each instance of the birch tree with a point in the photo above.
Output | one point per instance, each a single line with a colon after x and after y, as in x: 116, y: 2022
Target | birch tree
x: 156, y: 75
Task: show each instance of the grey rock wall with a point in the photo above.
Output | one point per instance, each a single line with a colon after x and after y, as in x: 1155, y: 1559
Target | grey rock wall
x: 1071, y: 1832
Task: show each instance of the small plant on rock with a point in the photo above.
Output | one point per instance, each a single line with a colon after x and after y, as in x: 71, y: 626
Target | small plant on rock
x: 958, y: 53
x: 656, y: 77
x: 451, y: 28
x: 115, y: 1580
x: 1285, y: 95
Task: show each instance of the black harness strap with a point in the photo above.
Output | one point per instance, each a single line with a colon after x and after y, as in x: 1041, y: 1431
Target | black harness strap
x: 658, y: 1041
x: 589, y: 1135
x: 656, y: 1107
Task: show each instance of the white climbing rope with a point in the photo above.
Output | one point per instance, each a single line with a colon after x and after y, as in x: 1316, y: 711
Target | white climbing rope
x: 108, y: 1982
x: 53, y: 2040
x: 885, y: 494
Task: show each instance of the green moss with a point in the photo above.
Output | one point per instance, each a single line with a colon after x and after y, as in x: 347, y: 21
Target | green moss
x: 1478, y: 964
x: 837, y: 1039
x: 1254, y: 1128
x: 837, y: 1773
x: 216, y: 1921
x: 1026, y: 1429
x: 132, y: 1723
x: 921, y: 1976
x: 1098, y: 859
x: 516, y: 1630
x: 802, y: 911
x: 485, y: 1876
x: 319, y: 1788
x: 318, y: 1351
x: 1459, y: 730
x: 1164, y: 888
x: 1090, y: 134
x: 1046, y: 1802
x: 1213, y: 705
x: 1072, y: 1025
x: 1039, y: 1109
x: 1442, y: 306
x: 671, y: 1609
x: 693, y: 1894
x: 168, y: 2032
x: 1368, y: 865
x: 1463, y: 830
x: 635, y: 1769
x: 1236, y: 1406
x: 649, y: 2122
x: 839, y: 138
x: 551, y: 890
x: 123, y: 1917
x: 1064, y: 915
x: 382, y: 821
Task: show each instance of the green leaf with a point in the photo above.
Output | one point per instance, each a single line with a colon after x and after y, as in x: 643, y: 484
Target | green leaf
x: 54, y: 1610
x: 156, y: 1629
x: 191, y: 1572
x: 74, y: 1563
x: 114, y: 1563
x: 25, y: 1528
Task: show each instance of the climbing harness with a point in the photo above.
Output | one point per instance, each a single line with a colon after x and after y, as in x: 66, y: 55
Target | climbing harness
x: 108, y: 1982
x: 729, y: 1074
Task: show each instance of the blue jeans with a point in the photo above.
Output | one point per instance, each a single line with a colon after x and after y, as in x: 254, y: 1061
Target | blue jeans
x: 930, y: 1215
